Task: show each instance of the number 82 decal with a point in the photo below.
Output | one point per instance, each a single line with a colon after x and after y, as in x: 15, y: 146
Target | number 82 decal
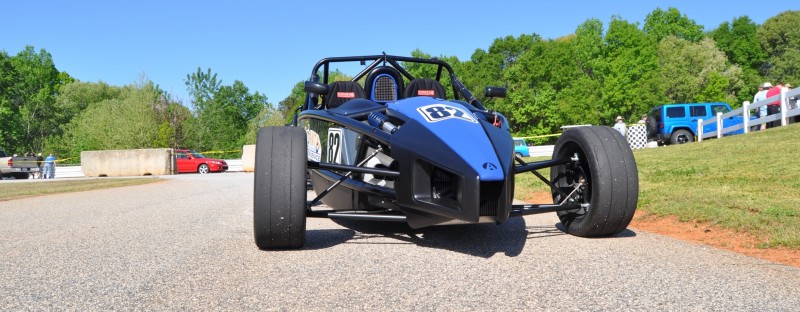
x: 439, y: 112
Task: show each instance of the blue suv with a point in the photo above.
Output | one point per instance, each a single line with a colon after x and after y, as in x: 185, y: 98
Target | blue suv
x: 677, y: 123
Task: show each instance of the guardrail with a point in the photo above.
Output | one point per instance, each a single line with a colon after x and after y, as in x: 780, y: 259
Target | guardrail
x: 785, y: 114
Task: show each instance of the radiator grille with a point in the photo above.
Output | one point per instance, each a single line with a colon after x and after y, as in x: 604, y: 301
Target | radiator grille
x: 488, y: 208
x: 444, y: 185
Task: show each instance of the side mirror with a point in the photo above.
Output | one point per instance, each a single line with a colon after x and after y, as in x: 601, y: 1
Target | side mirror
x: 494, y: 92
x: 315, y: 87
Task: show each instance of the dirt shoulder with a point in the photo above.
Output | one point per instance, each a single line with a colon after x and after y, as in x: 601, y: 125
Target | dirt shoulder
x: 702, y: 233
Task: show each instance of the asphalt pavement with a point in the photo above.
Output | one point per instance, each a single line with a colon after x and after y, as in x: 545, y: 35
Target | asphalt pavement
x: 186, y: 243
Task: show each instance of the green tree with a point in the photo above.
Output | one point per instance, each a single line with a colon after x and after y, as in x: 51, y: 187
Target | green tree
x: 268, y: 116
x: 589, y: 47
x: 697, y: 72
x: 201, y: 86
x: 544, y: 93
x: 124, y: 122
x: 661, y: 24
x: 287, y: 106
x: 11, y: 131
x: 740, y: 43
x: 780, y: 38
x: 75, y: 97
x: 31, y: 96
x: 630, y: 85
x: 222, y: 113
x: 171, y: 116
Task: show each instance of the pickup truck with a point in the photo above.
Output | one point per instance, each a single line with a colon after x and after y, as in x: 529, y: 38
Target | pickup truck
x: 17, y: 167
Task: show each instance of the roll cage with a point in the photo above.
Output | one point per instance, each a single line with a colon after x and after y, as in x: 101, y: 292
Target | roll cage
x: 460, y: 91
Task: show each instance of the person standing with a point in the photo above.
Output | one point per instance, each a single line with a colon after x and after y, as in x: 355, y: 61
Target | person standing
x: 620, y: 125
x: 760, y: 96
x: 39, y: 163
x: 774, y: 107
x: 793, y: 103
x: 50, y: 167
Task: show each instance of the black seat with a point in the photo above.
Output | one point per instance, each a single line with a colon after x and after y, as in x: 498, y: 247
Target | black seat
x: 343, y: 91
x: 384, y: 84
x: 425, y: 87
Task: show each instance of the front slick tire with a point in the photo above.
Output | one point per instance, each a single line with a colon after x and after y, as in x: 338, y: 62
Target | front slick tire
x: 279, y: 203
x: 611, y: 188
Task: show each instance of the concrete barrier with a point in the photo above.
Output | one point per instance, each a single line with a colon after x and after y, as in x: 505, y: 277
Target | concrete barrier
x: 137, y: 162
x: 249, y: 158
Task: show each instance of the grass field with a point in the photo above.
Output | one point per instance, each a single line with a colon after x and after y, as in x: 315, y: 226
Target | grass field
x: 746, y: 183
x: 16, y: 190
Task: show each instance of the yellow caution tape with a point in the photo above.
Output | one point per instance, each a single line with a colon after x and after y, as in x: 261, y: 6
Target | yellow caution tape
x: 220, y: 152
x: 540, y: 136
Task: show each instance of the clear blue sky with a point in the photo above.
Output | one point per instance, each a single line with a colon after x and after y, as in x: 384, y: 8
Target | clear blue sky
x: 271, y: 45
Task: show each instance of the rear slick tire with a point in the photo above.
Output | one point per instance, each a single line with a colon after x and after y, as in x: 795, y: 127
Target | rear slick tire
x: 279, y: 188
x: 611, y: 190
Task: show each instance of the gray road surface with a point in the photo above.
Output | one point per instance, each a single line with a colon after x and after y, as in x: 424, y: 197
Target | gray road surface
x: 186, y: 244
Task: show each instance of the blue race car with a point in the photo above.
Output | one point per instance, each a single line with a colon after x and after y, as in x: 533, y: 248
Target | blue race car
x: 391, y: 146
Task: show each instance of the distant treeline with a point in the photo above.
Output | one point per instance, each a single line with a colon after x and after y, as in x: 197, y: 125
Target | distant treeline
x: 583, y: 78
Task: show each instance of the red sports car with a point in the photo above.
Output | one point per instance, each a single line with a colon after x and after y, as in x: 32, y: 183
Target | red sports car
x: 191, y: 161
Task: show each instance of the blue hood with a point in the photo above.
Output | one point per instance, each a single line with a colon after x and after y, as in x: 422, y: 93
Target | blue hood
x: 458, y: 128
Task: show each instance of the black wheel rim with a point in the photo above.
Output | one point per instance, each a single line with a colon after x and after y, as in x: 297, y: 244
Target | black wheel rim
x: 569, y: 176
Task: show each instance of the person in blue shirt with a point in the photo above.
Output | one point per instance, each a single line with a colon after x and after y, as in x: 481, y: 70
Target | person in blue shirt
x: 50, y: 167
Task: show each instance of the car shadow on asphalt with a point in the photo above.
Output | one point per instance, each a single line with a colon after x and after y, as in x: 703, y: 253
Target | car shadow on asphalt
x: 480, y: 240
x: 625, y: 233
x: 321, y: 239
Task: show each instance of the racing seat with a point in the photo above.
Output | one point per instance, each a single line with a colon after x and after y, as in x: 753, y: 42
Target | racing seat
x: 425, y: 87
x: 384, y: 84
x: 343, y: 91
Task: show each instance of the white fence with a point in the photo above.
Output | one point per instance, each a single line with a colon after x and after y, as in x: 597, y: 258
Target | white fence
x: 786, y: 112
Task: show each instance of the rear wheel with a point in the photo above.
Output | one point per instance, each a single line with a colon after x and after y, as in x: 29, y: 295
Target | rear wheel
x: 519, y: 155
x: 203, y: 169
x: 604, y: 180
x: 279, y: 203
x: 681, y: 136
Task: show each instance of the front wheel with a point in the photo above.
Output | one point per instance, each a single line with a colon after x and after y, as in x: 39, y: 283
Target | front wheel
x: 203, y: 169
x: 279, y: 190
x: 602, y: 177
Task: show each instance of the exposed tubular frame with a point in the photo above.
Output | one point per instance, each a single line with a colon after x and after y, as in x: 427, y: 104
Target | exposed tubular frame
x: 389, y: 215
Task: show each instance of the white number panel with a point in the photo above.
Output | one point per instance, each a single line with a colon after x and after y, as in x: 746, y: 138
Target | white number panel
x: 335, y: 145
x: 439, y: 112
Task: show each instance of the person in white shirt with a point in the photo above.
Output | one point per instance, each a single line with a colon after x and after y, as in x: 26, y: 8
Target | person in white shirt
x: 620, y: 125
x: 760, y: 96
